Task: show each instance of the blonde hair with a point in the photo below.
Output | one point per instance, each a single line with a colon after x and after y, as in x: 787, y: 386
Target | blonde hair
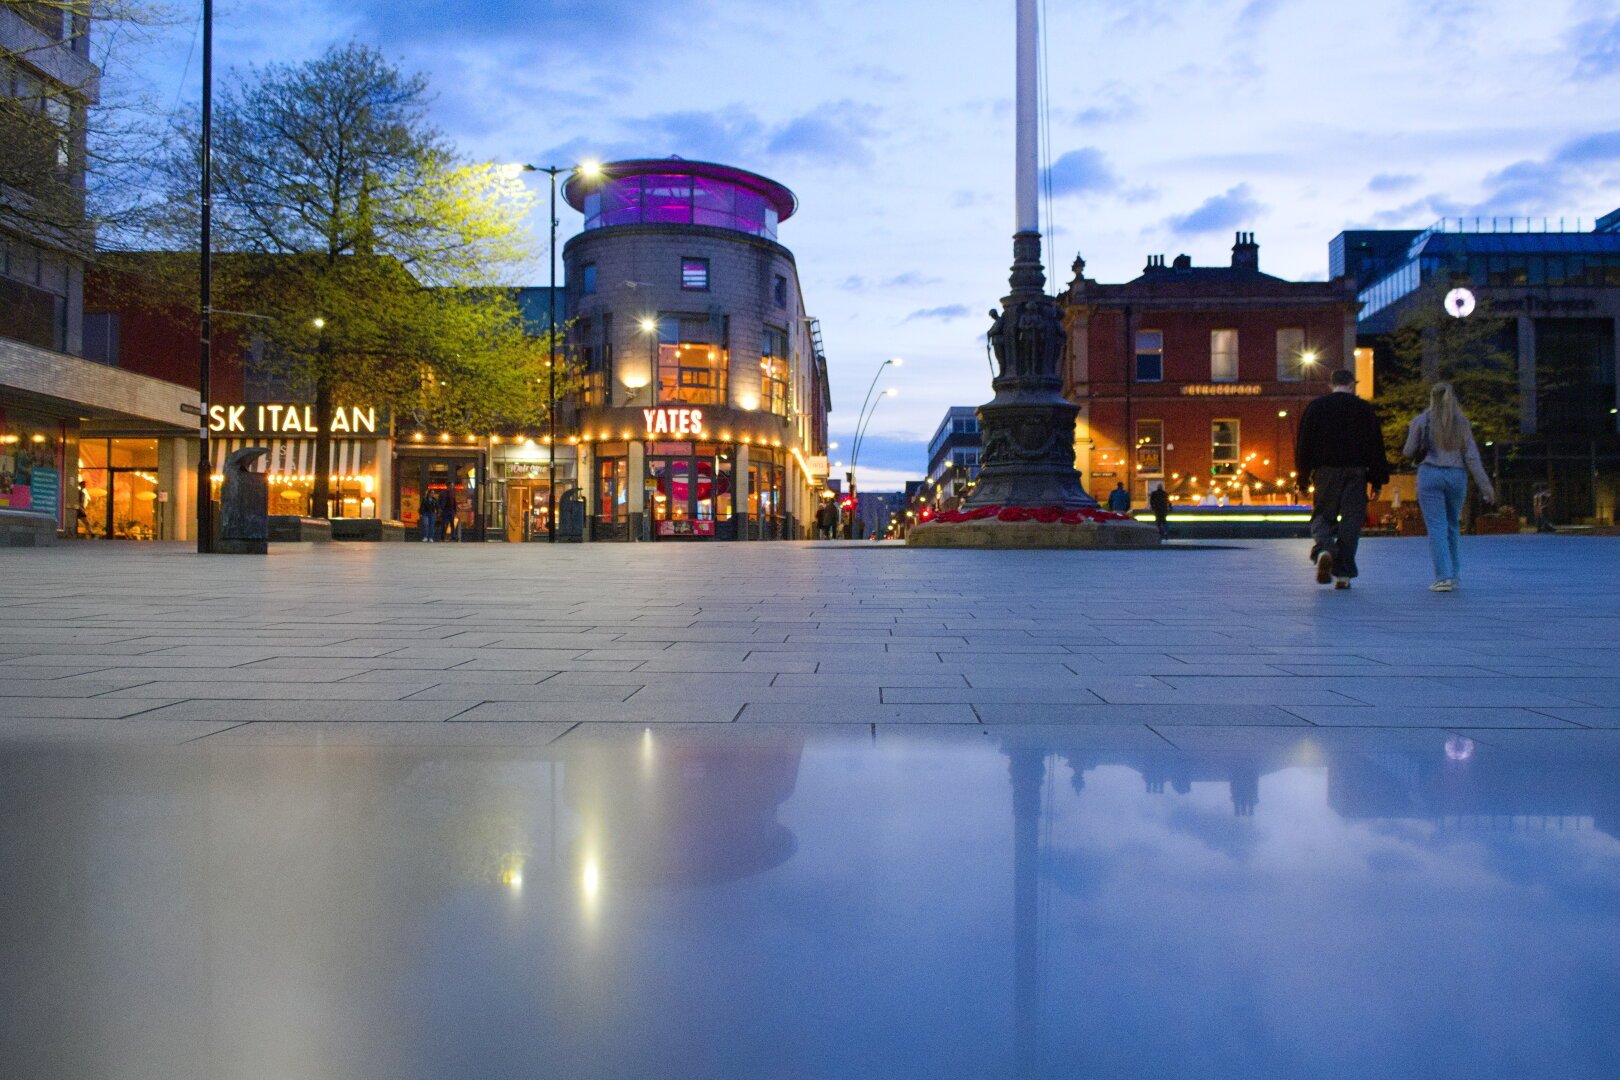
x: 1448, y: 427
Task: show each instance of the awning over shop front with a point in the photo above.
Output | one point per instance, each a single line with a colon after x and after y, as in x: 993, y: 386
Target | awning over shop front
x: 296, y: 457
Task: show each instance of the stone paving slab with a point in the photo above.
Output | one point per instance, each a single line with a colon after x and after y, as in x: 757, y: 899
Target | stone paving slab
x: 516, y: 645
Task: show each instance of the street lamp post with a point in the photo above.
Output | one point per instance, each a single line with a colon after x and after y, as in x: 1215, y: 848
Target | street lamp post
x: 587, y: 169
x: 205, y: 465
x: 862, y: 415
x: 860, y: 437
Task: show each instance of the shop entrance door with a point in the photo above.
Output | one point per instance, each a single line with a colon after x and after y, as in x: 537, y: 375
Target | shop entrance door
x: 424, y: 481
x: 684, y: 487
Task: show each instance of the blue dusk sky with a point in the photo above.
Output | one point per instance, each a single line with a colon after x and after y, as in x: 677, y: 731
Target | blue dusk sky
x: 1174, y: 123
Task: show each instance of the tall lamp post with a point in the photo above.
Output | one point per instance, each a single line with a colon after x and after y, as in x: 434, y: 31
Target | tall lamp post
x: 860, y: 437
x: 205, y: 465
x: 589, y: 168
x: 861, y: 416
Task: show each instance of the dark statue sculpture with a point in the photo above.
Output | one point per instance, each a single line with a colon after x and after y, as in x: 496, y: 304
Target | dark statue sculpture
x: 1028, y: 454
x: 244, y: 505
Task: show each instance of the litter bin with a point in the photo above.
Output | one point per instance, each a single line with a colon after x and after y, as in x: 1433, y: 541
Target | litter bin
x: 571, y: 517
x: 244, y: 505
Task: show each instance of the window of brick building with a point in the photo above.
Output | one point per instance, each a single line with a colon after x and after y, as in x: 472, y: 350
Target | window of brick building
x: 1149, y: 356
x: 694, y: 273
x: 1223, y: 356
x: 1150, y: 447
x: 1290, y: 354
x: 1224, y: 446
x: 779, y: 291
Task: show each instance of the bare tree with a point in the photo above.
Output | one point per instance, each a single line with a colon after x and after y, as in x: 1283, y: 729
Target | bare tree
x: 76, y: 149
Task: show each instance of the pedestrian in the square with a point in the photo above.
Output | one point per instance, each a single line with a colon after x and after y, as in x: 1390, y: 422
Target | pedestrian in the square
x: 1119, y: 500
x: 1441, y: 441
x: 1541, y: 507
x: 826, y: 520
x: 429, y: 512
x: 448, y: 512
x: 1340, y: 452
x: 1159, y: 503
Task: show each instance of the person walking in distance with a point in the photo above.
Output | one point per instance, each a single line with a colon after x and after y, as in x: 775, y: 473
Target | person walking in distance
x: 1340, y: 452
x: 429, y: 512
x: 448, y: 512
x: 1441, y: 441
x: 1159, y: 503
x: 1119, y: 500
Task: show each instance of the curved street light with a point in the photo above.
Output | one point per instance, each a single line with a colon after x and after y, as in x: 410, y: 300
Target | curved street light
x: 860, y: 434
x: 863, y: 415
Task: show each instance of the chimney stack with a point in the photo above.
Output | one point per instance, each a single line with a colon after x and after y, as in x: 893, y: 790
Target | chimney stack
x: 1155, y: 265
x: 1246, y: 253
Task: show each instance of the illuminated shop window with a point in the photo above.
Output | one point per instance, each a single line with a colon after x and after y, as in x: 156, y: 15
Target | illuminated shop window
x: 1150, y: 447
x: 773, y: 372
x: 692, y: 361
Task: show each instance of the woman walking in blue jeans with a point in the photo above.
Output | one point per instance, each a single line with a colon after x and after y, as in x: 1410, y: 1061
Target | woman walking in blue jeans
x: 1442, y: 442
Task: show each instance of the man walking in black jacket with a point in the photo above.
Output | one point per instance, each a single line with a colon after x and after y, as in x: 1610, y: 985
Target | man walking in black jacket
x: 1341, y: 452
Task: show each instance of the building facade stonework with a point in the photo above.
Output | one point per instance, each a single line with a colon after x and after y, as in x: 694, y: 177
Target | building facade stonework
x: 1194, y: 377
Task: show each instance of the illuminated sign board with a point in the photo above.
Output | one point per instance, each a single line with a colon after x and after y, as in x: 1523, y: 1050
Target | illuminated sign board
x: 673, y: 421
x: 1222, y: 389
x: 289, y: 419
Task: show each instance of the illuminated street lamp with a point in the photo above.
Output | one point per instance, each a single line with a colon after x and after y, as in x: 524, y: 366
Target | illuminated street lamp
x: 863, y: 413
x: 586, y: 169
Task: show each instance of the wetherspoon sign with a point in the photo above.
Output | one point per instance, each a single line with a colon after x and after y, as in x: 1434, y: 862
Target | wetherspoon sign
x: 289, y: 419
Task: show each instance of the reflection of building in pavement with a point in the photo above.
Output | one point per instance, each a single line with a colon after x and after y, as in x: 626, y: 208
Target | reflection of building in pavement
x: 682, y: 813
x: 1453, y: 786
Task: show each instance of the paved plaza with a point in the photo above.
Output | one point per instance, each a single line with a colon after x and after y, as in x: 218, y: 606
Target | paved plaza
x: 841, y: 811
x: 1197, y: 645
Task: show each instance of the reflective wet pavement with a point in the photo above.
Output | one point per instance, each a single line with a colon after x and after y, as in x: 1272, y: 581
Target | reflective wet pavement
x: 829, y: 902
x: 764, y: 811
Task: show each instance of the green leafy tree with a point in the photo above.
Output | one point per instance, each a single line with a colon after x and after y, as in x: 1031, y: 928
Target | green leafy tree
x: 368, y: 257
x: 1469, y: 353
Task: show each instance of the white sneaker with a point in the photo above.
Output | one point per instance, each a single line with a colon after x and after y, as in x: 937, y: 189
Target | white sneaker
x: 1442, y: 585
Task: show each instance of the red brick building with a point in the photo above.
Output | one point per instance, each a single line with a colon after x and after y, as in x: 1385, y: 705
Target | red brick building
x: 1195, y: 377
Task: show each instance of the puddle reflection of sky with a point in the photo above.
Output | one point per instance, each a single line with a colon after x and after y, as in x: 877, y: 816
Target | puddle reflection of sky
x: 818, y: 908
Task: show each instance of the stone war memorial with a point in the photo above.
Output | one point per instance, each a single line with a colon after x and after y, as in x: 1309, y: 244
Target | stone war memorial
x: 1028, y: 493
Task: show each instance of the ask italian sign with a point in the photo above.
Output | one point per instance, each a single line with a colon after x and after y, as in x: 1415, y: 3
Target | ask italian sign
x: 274, y: 419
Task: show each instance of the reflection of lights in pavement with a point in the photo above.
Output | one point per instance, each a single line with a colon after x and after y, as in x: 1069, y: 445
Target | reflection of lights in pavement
x: 1459, y: 748
x: 512, y: 872
x: 590, y: 880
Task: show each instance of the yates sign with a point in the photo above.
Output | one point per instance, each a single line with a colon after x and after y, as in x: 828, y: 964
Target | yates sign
x: 289, y: 419
x: 673, y: 421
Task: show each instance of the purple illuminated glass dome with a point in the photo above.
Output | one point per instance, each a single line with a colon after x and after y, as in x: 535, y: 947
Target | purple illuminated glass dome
x: 673, y: 191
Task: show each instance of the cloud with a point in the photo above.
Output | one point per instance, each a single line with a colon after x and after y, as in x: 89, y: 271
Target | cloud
x: 1255, y: 14
x: 911, y: 279
x: 1219, y: 213
x: 1419, y: 213
x: 1114, y: 105
x: 834, y: 133
x: 1387, y: 183
x: 728, y: 134
x: 1081, y: 171
x: 944, y: 313
x: 1565, y: 176
x: 1595, y: 42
